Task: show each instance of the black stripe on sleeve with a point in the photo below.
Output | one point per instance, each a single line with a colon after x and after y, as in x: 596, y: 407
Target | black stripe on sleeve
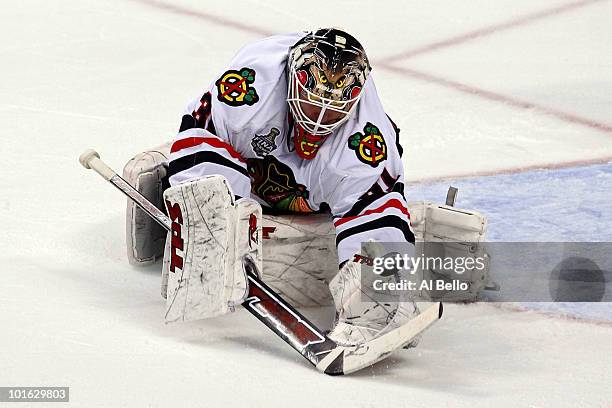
x: 392, y: 221
x: 199, y: 117
x: 368, y: 198
x: 399, y: 147
x: 187, y: 162
x: 188, y: 122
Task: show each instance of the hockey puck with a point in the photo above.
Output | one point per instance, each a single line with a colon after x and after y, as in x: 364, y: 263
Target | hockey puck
x: 577, y: 279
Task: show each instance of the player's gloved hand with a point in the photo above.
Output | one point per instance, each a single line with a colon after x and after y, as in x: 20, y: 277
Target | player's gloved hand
x: 360, y: 317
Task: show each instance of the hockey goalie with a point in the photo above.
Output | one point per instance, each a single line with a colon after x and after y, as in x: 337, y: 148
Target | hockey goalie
x: 289, y: 159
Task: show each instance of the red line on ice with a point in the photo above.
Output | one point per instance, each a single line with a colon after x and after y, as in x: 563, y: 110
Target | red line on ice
x: 518, y: 169
x: 493, y: 96
x: 482, y: 32
x: 384, y: 64
x: 226, y: 23
x: 568, y: 117
x: 552, y: 314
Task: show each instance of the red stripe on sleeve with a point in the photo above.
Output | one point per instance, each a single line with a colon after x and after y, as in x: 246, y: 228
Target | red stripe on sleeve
x: 393, y: 203
x: 212, y: 141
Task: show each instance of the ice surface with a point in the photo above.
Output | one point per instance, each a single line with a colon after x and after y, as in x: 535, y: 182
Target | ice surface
x: 566, y: 205
x: 115, y: 75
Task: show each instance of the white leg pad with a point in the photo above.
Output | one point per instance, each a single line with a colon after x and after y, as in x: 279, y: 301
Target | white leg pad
x: 211, y: 233
x: 144, y: 237
x: 448, y: 232
x: 300, y: 257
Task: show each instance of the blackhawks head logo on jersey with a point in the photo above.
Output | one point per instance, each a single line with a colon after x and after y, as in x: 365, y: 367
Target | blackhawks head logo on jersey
x: 274, y: 182
x: 235, y: 88
x: 369, y: 146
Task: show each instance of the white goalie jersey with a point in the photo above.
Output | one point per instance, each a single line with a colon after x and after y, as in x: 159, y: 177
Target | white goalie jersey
x: 241, y: 128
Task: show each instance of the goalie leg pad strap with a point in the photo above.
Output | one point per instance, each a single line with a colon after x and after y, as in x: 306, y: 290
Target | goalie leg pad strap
x: 211, y: 233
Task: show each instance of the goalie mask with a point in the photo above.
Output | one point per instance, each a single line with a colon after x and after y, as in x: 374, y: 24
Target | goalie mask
x: 327, y: 71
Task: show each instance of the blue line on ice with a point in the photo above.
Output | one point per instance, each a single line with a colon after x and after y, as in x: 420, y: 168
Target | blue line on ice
x: 573, y: 204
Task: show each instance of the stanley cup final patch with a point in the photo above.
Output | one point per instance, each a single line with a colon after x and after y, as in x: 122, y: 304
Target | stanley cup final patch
x: 235, y: 88
x: 263, y: 145
x: 369, y: 146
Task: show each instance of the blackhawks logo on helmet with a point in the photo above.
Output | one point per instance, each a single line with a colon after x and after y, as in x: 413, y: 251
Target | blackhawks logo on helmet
x: 369, y: 146
x: 235, y: 88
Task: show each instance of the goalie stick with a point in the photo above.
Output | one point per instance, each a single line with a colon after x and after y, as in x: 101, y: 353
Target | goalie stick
x: 278, y: 315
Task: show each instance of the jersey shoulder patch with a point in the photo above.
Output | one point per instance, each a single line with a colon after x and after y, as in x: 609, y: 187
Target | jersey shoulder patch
x: 369, y: 146
x: 235, y: 87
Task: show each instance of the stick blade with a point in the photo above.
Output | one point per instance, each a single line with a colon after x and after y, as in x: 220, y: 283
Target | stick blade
x: 346, y: 360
